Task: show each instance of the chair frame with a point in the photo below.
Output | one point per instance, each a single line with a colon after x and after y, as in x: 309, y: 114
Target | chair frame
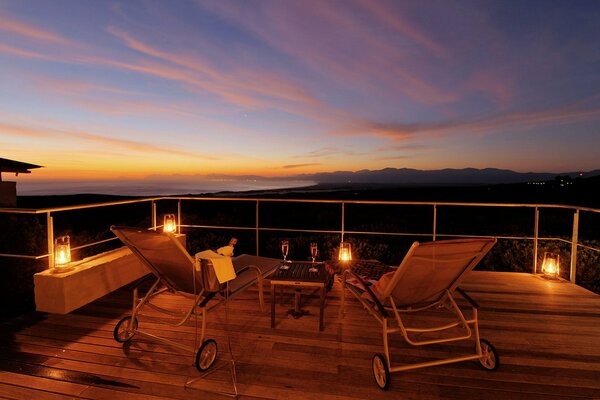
x: 127, y: 327
x: 390, y: 317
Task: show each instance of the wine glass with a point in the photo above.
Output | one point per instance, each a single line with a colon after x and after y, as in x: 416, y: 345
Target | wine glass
x: 314, y: 250
x: 285, y: 248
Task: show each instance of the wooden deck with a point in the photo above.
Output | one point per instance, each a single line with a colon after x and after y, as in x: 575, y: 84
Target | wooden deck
x: 546, y: 333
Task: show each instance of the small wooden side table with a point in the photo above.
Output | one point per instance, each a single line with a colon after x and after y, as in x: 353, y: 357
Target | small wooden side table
x: 298, y: 275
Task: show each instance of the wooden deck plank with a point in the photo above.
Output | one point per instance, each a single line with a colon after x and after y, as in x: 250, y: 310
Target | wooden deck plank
x: 546, y: 334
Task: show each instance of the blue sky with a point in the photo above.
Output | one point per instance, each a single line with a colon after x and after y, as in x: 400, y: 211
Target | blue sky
x: 109, y: 90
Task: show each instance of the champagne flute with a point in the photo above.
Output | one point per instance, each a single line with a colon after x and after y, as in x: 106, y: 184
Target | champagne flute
x: 314, y: 250
x: 285, y: 248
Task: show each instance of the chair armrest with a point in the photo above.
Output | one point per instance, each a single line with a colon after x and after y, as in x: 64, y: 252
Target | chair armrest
x: 464, y: 294
x: 368, y: 290
x: 243, y: 269
x: 259, y: 282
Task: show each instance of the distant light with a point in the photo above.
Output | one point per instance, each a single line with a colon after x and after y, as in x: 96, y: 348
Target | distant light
x: 170, y: 223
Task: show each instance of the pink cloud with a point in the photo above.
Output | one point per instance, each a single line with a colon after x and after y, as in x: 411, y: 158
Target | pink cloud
x: 29, y: 31
x: 400, y: 132
x: 337, y: 44
x: 394, y: 158
x: 387, y: 16
x: 248, y: 87
x: 14, y: 51
x: 238, y: 86
x: 494, y: 85
x: 291, y: 166
x: 23, y: 131
x: 329, y: 151
x: 95, y: 139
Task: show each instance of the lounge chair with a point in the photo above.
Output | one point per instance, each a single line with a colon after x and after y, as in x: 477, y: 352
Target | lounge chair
x: 425, y: 281
x: 176, y: 271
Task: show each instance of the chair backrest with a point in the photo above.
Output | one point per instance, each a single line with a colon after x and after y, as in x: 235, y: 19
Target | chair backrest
x: 429, y: 268
x: 164, y: 256
x: 266, y: 266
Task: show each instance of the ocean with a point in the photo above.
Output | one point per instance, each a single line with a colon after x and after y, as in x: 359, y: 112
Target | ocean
x: 155, y: 186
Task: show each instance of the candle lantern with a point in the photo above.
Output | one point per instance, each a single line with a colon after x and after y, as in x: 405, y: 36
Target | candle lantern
x: 62, y: 253
x: 345, y: 251
x: 170, y: 223
x: 551, y: 265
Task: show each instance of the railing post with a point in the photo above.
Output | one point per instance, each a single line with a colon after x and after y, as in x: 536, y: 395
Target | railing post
x: 179, y: 216
x: 50, y: 228
x: 434, y: 221
x: 153, y: 215
x: 535, y: 239
x: 343, y: 218
x: 574, y: 240
x: 257, y: 228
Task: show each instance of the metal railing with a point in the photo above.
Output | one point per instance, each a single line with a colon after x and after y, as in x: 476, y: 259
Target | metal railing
x: 257, y: 228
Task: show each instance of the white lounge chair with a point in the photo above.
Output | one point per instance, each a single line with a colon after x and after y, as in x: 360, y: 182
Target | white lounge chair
x: 426, y: 279
x: 175, y: 270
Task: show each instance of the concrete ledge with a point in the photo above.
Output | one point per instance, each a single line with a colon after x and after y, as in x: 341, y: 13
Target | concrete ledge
x: 8, y: 194
x: 90, y: 279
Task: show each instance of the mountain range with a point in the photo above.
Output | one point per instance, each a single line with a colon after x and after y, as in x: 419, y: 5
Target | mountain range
x: 448, y: 176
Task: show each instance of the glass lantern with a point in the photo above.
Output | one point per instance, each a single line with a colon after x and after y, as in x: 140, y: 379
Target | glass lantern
x: 551, y: 265
x: 345, y: 251
x: 62, y: 253
x: 170, y: 223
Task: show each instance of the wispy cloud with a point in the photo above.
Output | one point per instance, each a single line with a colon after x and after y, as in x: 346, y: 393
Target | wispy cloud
x: 15, y: 51
x: 406, y: 147
x: 330, y: 151
x: 490, y: 125
x: 394, y: 158
x: 77, y: 87
x: 291, y: 166
x: 245, y: 87
x: 23, y: 131
x: 25, y: 29
x: 351, y: 52
x: 93, y: 139
x: 388, y: 16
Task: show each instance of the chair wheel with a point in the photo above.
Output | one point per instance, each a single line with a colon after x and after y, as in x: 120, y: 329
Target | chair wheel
x: 125, y: 329
x: 381, y: 372
x: 206, y: 355
x: 489, y: 356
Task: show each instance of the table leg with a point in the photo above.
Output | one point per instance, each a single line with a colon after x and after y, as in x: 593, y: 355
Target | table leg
x: 272, y: 306
x: 297, y: 294
x: 321, y: 306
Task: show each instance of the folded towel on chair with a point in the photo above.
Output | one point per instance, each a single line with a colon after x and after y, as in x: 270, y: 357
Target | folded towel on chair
x: 222, y: 265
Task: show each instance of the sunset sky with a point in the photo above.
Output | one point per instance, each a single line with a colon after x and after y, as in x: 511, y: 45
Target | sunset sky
x: 122, y: 90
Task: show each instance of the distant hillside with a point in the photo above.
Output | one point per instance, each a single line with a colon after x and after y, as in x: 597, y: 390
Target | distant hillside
x: 448, y: 176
